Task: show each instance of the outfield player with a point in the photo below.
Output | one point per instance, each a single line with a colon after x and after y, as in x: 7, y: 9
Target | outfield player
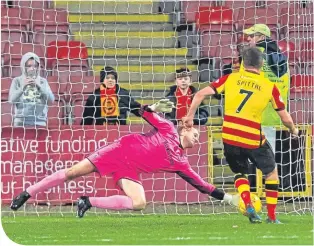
x: 247, y: 94
x: 159, y: 150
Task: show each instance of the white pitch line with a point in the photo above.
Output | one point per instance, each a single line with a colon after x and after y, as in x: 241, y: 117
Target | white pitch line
x: 272, y: 237
x: 190, y: 238
x: 218, y: 238
x: 105, y: 240
x: 180, y: 238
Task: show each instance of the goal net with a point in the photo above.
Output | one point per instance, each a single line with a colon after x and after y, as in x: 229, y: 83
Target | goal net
x: 146, y: 42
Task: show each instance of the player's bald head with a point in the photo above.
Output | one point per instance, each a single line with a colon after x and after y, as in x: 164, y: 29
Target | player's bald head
x: 252, y: 57
x: 181, y: 129
x: 188, y: 137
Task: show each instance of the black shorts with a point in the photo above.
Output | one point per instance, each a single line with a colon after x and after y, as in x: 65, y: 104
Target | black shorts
x: 238, y: 158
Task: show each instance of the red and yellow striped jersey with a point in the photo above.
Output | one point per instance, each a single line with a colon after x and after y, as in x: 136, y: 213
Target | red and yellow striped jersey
x: 246, y: 97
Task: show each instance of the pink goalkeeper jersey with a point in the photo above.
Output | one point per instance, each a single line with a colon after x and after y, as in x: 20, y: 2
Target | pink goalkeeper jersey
x: 157, y: 151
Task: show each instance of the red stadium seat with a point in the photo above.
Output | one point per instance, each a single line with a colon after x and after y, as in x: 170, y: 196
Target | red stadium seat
x: 190, y: 8
x: 214, y: 19
x: 67, y: 58
x: 66, y: 50
x: 85, y: 80
x: 302, y: 111
x: 288, y: 49
x: 14, y: 23
x: 57, y: 112
x: 78, y: 85
x: 65, y: 68
x: 277, y: 6
x: 34, y: 4
x: 297, y: 22
x: 309, y: 69
x: 237, y: 5
x: 79, y: 90
x: 83, y: 84
x: 307, y: 51
x: 4, y: 96
x: 216, y: 27
x: 211, y: 41
x: 3, y: 44
x: 307, y: 55
x: 57, y: 86
x: 48, y: 25
x: 224, y: 55
x: 301, y: 83
x: 294, y: 68
x: 16, y: 15
x: 77, y: 107
x: 250, y: 16
x: 240, y: 4
x: 5, y: 87
x: 29, y: 6
x: 302, y: 98
x: 13, y: 55
x: 6, y: 114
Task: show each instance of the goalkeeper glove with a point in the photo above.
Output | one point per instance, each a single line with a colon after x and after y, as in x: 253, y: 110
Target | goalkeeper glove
x: 232, y: 200
x: 163, y: 105
x: 294, y: 132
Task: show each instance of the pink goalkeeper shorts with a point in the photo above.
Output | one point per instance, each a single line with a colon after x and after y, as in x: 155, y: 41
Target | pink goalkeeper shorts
x: 109, y: 160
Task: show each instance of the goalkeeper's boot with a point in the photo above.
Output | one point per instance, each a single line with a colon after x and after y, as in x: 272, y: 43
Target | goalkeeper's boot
x: 18, y: 201
x: 83, y: 204
x: 275, y: 221
x: 253, y: 216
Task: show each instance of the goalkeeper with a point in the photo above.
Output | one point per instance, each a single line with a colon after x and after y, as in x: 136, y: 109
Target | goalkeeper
x: 159, y: 150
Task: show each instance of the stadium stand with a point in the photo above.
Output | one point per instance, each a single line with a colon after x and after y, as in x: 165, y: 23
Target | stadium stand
x: 236, y: 6
x: 66, y: 58
x: 307, y: 57
x: 214, y: 19
x: 49, y: 25
x: 210, y: 42
x: 29, y: 6
x: 57, y: 113
x: 5, y: 87
x: 297, y: 23
x: 301, y: 97
x: 14, y: 22
x: 189, y: 8
x: 6, y: 113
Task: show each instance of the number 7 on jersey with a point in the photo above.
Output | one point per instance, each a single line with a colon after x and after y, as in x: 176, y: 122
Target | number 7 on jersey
x: 248, y: 95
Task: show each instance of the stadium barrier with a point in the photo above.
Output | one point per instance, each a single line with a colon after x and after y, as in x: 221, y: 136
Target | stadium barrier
x: 28, y: 155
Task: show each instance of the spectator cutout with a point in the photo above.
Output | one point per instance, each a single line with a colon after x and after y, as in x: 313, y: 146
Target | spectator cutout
x: 110, y: 103
x: 30, y: 94
x: 181, y: 95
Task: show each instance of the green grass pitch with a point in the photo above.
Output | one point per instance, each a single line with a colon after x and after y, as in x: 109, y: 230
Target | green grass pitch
x: 153, y: 229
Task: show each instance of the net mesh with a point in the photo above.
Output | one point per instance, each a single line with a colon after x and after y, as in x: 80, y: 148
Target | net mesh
x: 146, y: 41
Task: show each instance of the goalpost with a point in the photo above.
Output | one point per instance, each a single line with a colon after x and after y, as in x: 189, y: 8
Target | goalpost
x: 146, y: 41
